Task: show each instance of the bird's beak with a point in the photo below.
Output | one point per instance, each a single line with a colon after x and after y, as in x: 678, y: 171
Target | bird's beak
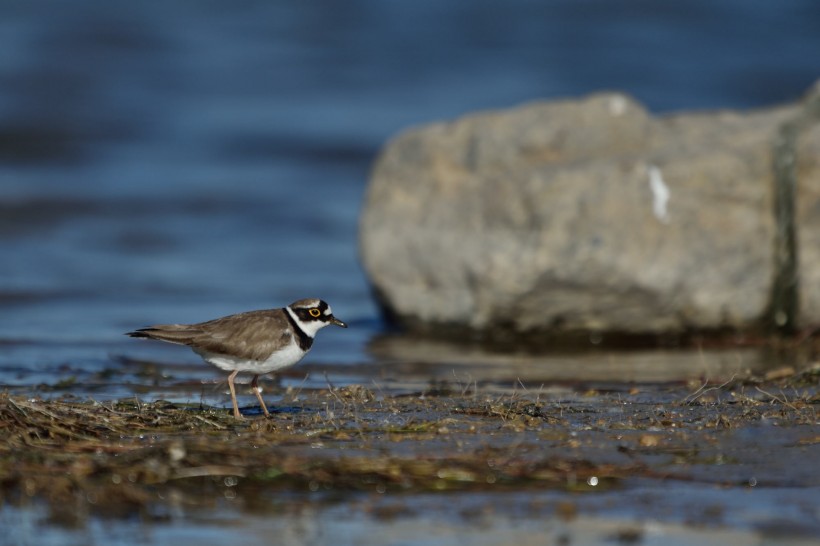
x: 337, y: 322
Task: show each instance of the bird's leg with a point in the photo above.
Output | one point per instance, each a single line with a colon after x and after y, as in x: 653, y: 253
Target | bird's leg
x: 231, y: 377
x: 255, y: 387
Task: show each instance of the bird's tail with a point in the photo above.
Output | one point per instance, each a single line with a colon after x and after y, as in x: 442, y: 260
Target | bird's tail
x: 182, y: 334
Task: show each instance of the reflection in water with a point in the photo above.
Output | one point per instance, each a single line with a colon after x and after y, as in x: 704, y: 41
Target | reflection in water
x: 534, y: 518
x: 424, y: 356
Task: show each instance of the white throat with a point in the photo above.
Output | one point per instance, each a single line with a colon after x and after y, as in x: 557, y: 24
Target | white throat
x: 310, y: 328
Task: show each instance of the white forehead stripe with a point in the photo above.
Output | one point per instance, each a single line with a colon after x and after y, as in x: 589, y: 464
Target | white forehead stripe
x: 328, y: 312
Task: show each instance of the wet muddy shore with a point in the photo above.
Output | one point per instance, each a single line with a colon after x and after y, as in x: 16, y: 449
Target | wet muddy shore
x: 701, y: 456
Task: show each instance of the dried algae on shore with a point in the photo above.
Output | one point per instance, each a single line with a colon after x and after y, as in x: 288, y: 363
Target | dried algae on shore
x: 115, y: 458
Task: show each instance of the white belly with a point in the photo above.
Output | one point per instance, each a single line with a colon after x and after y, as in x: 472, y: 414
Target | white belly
x: 285, y: 358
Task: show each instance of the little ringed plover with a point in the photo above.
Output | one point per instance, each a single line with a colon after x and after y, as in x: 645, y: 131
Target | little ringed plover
x: 256, y: 342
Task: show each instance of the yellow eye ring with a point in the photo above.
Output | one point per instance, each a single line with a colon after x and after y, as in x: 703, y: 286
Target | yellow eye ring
x: 314, y: 312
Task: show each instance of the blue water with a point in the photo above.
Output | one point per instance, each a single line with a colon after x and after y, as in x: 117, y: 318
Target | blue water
x: 177, y: 161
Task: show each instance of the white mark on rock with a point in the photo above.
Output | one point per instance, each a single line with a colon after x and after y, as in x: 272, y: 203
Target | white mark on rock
x: 660, y: 194
x: 617, y: 105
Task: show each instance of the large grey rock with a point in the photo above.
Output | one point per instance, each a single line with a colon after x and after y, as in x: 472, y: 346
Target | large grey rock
x: 574, y: 216
x: 806, y: 160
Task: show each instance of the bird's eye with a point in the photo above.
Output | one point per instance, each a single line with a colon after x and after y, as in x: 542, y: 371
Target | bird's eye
x: 314, y: 312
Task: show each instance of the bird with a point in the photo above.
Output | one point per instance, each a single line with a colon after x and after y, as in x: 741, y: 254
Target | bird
x: 256, y: 342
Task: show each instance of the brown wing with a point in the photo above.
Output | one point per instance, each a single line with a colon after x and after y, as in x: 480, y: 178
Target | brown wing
x: 252, y: 335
